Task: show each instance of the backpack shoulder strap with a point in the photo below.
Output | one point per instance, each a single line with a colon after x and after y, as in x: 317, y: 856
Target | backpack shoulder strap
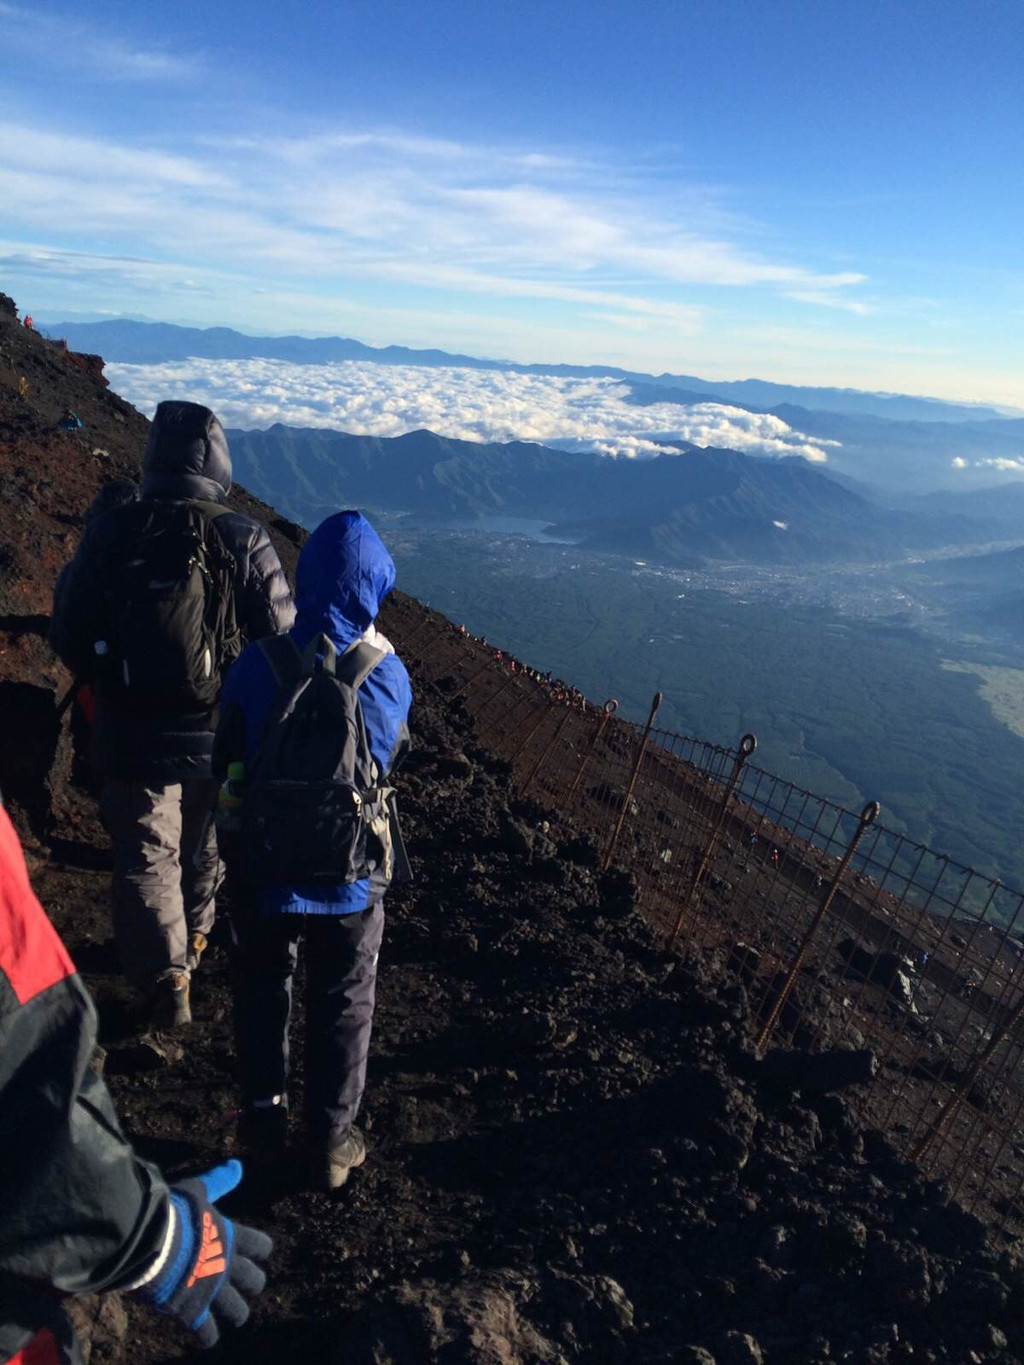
x: 283, y: 657
x: 209, y: 514
x: 357, y: 663
x: 320, y: 653
x: 288, y: 662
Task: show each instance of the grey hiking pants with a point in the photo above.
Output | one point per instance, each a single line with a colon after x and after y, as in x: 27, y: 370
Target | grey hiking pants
x: 166, y: 871
x: 341, y: 987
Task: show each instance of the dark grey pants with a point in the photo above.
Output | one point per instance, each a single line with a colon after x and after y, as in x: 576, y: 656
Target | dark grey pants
x: 166, y: 871
x: 341, y: 986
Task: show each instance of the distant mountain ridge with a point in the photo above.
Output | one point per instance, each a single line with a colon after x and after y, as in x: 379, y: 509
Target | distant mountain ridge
x: 909, y: 455
x: 704, y: 503
x: 150, y: 343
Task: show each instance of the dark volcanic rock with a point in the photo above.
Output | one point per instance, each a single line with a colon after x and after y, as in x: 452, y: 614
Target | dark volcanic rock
x: 886, y: 969
x: 818, y: 1072
x: 480, y: 1321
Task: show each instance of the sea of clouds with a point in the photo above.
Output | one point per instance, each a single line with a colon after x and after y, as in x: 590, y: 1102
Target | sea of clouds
x: 475, y: 405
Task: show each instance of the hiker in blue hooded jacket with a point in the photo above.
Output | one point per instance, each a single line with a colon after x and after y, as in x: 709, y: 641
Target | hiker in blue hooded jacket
x: 344, y: 573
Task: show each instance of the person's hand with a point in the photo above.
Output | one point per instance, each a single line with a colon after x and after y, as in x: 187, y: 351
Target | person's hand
x: 208, y: 1270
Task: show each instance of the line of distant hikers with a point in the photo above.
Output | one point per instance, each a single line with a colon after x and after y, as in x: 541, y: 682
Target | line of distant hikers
x: 235, y: 733
x: 559, y: 692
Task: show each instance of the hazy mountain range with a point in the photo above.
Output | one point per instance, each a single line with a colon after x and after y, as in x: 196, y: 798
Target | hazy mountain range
x: 134, y: 342
x: 676, y: 509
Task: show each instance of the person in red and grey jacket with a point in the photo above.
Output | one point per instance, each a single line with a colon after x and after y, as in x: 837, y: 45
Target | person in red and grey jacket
x: 81, y: 1212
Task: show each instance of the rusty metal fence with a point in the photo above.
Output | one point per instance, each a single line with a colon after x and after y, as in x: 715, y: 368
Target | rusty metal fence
x: 845, y: 934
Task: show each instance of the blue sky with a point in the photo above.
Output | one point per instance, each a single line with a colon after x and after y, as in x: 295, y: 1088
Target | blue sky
x: 813, y: 192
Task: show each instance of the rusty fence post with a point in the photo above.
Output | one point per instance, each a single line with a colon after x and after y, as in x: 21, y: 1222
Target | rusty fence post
x: 442, y: 657
x: 610, y: 850
x: 747, y: 746
x: 545, y: 712
x: 471, y: 681
x: 490, y: 724
x: 428, y: 659
x: 608, y: 710
x: 868, y: 816
x: 546, y: 751
x: 510, y: 681
x: 920, y: 1148
x: 407, y: 643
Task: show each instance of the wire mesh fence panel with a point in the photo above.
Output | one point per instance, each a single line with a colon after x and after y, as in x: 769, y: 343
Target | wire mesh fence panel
x: 845, y: 934
x: 553, y: 776
x: 550, y: 757
x: 682, y: 786
x: 602, y: 789
x: 780, y: 849
x: 440, y: 652
x: 522, y: 712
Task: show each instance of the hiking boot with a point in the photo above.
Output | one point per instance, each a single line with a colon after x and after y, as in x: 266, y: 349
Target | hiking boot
x: 197, y: 946
x: 168, y: 1006
x: 262, y: 1134
x: 344, y: 1152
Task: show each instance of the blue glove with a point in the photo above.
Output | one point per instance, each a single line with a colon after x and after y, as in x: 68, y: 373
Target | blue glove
x: 209, y: 1262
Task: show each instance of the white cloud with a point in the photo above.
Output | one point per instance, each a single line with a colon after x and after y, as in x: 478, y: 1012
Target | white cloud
x: 63, y: 42
x: 625, y: 447
x: 825, y: 299
x: 580, y: 234
x: 477, y: 405
x: 781, y: 525
x: 687, y: 316
x: 959, y: 462
x: 85, y: 158
x: 1000, y: 463
x: 352, y: 208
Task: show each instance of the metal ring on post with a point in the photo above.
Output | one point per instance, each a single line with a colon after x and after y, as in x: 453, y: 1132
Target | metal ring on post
x: 609, y: 852
x: 747, y: 746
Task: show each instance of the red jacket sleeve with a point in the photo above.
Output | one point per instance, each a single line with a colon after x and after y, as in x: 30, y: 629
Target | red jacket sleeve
x: 80, y: 1211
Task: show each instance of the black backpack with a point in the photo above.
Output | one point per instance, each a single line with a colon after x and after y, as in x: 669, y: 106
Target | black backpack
x: 315, y: 809
x: 168, y: 628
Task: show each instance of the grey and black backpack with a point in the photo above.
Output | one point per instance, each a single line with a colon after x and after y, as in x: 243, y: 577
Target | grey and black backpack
x: 316, y: 809
x: 168, y: 629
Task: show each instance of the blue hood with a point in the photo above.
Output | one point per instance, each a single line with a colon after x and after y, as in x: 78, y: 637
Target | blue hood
x: 343, y: 575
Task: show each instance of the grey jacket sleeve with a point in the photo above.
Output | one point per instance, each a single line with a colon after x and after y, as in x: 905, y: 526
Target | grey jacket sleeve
x: 264, y: 601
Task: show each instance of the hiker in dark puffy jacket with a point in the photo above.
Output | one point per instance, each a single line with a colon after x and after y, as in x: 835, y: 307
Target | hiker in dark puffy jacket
x: 81, y: 1212
x: 116, y: 493
x: 158, y: 794
x: 343, y: 575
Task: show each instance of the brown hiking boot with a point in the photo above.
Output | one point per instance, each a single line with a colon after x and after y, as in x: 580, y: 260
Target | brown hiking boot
x: 197, y: 946
x: 344, y: 1153
x: 168, y: 1005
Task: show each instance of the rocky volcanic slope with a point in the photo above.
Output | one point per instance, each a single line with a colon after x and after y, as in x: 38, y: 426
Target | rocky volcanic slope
x: 575, y: 1154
